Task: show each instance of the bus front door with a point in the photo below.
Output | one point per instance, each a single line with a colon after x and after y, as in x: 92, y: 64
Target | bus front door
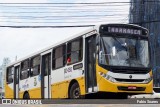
x: 45, y: 75
x: 16, y: 81
x: 90, y: 64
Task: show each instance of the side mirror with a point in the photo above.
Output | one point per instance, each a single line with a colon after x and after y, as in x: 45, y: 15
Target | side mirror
x: 100, y: 56
x: 12, y: 76
x: 114, y: 51
x: 97, y: 40
x: 97, y: 49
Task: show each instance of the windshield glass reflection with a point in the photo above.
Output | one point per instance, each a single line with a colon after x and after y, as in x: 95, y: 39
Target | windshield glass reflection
x: 118, y: 51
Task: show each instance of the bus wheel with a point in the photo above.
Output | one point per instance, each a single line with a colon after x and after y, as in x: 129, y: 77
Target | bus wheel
x: 74, y: 91
x: 26, y: 96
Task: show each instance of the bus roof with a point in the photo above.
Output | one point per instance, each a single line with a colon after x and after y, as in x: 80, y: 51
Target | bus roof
x: 54, y: 45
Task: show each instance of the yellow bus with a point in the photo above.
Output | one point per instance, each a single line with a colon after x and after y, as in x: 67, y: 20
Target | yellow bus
x: 106, y: 58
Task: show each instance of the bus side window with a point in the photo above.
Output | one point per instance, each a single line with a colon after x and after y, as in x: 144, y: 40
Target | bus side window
x: 59, y: 57
x: 9, y: 76
x: 35, y: 66
x: 24, y: 73
x: 74, y: 51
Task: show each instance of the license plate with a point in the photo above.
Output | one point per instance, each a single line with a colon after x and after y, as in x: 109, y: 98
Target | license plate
x: 132, y: 88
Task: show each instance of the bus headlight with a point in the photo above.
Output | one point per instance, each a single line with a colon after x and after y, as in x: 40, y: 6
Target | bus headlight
x: 148, y: 80
x: 108, y: 77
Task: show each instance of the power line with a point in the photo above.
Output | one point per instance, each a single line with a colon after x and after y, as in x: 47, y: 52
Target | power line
x: 19, y: 6
x: 65, y: 16
x: 51, y: 22
x: 71, y: 3
x: 47, y: 26
x: 145, y: 22
x: 47, y: 19
x: 38, y: 12
x: 55, y: 17
x: 81, y: 3
x: 59, y: 18
x: 69, y: 26
x: 55, y: 9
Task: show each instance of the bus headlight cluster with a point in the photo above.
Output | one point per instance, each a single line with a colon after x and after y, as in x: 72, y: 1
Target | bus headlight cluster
x: 148, y: 80
x: 108, y: 77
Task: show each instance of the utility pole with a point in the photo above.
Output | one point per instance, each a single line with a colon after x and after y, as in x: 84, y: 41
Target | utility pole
x: 16, y: 58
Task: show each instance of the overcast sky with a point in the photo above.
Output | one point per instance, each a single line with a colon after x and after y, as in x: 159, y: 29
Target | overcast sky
x: 21, y: 42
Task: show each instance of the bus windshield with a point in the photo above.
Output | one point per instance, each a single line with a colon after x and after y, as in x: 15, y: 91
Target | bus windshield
x: 121, y: 51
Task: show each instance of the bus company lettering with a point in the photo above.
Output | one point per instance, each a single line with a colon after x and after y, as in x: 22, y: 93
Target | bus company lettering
x: 67, y: 70
x: 26, y: 85
x: 35, y: 81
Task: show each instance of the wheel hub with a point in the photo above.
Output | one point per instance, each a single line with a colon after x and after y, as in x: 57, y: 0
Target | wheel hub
x: 76, y: 93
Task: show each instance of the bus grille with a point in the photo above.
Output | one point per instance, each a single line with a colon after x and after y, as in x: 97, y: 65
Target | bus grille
x: 131, y: 71
x: 129, y: 80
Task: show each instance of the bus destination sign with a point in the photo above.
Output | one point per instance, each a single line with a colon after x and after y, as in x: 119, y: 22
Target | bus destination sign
x: 124, y: 30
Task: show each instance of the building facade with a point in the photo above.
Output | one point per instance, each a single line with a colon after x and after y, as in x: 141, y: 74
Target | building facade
x: 146, y: 13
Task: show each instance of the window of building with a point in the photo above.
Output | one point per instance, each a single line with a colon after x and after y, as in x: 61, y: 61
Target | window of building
x: 59, y: 57
x: 9, y: 76
x: 35, y: 66
x: 24, y: 69
x: 74, y: 51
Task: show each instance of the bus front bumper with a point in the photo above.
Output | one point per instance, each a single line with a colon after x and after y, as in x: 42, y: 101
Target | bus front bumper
x: 107, y: 86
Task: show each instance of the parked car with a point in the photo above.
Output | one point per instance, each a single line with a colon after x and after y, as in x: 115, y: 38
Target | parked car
x: 153, y: 95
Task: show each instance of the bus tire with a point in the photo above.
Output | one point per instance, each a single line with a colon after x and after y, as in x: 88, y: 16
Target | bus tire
x: 74, y: 92
x: 26, y: 96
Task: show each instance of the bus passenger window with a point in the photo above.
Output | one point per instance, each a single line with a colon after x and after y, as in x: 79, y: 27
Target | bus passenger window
x: 24, y: 70
x: 59, y: 57
x: 35, y: 66
x: 74, y: 51
x: 9, y: 76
